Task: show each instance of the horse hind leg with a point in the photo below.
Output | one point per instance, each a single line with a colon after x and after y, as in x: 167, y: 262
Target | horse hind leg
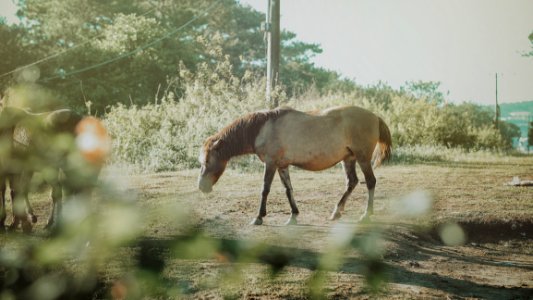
x: 56, y: 195
x: 19, y: 190
x: 370, y: 179
x: 29, y: 209
x: 351, y: 183
x: 286, y: 180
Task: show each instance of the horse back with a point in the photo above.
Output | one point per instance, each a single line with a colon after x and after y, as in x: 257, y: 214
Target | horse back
x: 318, y: 140
x: 63, y: 120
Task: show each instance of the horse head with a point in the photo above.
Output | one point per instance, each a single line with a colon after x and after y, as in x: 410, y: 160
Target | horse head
x: 213, y: 165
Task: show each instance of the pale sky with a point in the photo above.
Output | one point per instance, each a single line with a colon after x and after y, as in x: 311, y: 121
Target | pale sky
x: 461, y: 43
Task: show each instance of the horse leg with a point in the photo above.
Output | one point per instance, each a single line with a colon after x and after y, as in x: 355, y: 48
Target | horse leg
x: 56, y: 195
x: 12, y: 193
x: 351, y: 182
x: 286, y: 180
x: 29, y: 210
x: 3, y: 203
x: 19, y: 189
x: 370, y: 179
x: 270, y: 170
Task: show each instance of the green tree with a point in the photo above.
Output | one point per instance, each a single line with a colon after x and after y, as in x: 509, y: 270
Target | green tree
x: 427, y: 90
x: 14, y: 53
x: 530, y: 37
x: 530, y: 136
x: 92, y: 32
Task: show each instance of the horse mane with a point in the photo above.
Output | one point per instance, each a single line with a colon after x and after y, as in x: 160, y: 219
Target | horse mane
x: 239, y: 137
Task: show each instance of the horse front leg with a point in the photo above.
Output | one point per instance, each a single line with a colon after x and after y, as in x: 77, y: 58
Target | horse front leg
x: 286, y: 180
x: 270, y: 170
x: 351, y: 183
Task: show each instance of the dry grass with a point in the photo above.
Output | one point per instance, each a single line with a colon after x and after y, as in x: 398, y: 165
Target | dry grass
x: 472, y: 194
x: 496, y: 262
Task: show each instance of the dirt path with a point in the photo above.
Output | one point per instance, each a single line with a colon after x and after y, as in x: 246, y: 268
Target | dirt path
x: 495, y: 262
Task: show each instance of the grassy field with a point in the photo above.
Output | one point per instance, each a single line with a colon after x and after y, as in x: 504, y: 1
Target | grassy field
x: 495, y: 261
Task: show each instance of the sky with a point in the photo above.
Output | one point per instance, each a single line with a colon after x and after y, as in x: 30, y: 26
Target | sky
x: 460, y: 43
x: 8, y: 11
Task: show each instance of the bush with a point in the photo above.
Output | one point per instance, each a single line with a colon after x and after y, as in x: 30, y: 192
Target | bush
x: 167, y: 134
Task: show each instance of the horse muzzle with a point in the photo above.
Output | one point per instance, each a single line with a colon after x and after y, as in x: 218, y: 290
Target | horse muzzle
x: 205, y: 184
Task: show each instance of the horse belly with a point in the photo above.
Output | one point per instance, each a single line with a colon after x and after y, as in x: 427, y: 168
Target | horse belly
x: 320, y: 158
x: 316, y: 165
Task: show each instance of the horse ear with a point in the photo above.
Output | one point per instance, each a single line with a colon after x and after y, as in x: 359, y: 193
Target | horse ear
x: 217, y: 144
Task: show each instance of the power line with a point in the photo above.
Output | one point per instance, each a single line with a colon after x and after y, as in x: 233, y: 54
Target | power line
x: 140, y: 48
x: 59, y: 53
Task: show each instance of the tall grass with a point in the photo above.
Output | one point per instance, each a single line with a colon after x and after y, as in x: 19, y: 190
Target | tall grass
x: 167, y: 134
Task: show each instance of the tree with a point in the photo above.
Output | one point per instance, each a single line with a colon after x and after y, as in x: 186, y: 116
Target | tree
x: 428, y: 90
x: 108, y: 53
x: 13, y: 52
x: 530, y: 37
x: 530, y: 136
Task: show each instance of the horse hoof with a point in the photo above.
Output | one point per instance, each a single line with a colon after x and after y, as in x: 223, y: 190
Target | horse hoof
x: 365, y: 219
x: 33, y: 218
x: 49, y: 225
x: 11, y: 228
x: 291, y: 221
x: 257, y: 221
x: 335, y: 216
x: 26, y: 228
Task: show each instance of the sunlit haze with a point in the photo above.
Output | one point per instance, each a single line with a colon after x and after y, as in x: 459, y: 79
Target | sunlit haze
x: 462, y: 44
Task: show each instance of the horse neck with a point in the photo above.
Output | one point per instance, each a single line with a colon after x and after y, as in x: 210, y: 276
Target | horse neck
x: 237, y: 142
x: 239, y: 137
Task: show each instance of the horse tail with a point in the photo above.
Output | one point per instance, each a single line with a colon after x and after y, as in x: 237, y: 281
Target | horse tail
x: 384, y: 150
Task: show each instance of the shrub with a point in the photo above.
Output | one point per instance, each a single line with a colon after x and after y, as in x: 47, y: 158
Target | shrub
x: 167, y: 134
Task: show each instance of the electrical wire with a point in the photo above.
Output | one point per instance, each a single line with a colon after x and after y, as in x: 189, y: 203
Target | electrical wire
x: 140, y: 48
x: 59, y: 53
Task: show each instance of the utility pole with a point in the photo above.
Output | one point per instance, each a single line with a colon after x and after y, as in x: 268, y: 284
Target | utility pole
x: 272, y: 29
x: 497, y: 108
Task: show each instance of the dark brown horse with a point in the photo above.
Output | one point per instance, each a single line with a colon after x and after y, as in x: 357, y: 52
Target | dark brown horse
x: 46, y: 143
x: 311, y: 141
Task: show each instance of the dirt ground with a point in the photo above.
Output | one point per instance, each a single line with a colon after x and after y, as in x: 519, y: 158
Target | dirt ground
x: 494, y: 261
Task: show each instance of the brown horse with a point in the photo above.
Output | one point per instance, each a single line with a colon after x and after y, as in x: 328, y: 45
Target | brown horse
x: 36, y: 143
x: 311, y: 141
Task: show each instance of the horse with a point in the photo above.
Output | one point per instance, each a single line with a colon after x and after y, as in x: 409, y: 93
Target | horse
x: 43, y: 142
x: 311, y: 141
